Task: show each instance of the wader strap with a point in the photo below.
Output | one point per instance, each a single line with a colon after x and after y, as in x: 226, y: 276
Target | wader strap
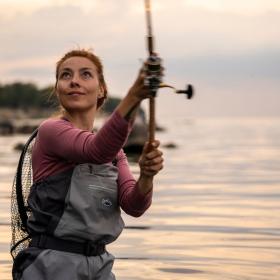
x: 84, y: 248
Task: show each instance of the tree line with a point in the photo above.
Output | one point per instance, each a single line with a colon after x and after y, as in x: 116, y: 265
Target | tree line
x: 27, y: 96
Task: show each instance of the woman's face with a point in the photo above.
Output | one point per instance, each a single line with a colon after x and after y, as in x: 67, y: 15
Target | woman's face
x: 78, y: 85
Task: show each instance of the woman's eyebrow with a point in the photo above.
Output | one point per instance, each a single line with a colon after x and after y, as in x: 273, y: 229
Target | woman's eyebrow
x: 66, y: 69
x: 81, y: 69
x: 87, y: 68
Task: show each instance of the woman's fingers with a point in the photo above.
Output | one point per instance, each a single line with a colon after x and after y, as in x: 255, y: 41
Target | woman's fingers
x: 141, y: 87
x: 151, y: 151
x: 151, y: 160
x: 152, y: 170
x: 149, y: 147
x: 154, y: 167
x: 154, y: 161
x: 153, y: 154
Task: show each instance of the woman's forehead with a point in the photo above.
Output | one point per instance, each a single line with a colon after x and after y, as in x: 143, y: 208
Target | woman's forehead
x: 77, y: 62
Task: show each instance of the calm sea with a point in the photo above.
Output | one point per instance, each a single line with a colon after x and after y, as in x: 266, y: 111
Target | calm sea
x: 216, y: 205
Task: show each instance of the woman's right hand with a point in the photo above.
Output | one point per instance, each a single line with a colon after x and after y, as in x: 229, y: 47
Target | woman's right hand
x: 139, y: 91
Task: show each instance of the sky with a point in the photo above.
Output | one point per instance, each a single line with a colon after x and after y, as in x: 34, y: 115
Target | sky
x: 228, y: 50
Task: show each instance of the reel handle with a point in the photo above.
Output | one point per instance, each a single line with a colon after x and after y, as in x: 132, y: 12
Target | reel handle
x: 188, y: 91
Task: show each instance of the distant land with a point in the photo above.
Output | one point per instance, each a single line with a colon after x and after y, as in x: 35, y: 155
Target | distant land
x: 27, y: 100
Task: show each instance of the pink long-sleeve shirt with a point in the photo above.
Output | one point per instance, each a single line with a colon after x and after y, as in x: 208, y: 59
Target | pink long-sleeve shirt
x: 60, y: 145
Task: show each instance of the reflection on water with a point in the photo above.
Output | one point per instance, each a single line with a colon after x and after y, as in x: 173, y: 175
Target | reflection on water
x: 216, y: 206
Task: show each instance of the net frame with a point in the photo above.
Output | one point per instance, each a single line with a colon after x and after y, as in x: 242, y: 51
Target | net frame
x: 20, y: 191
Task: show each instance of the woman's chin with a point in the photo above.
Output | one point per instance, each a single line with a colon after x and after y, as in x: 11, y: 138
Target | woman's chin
x: 79, y: 107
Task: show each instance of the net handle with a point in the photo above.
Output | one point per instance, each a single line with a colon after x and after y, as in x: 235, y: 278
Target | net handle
x: 19, y: 194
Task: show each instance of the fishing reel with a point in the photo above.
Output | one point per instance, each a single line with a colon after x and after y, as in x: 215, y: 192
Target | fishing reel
x: 154, y: 73
x: 154, y: 78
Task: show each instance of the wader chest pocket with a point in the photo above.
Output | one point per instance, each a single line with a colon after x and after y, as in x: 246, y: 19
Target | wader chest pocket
x: 105, y: 198
x: 92, y: 210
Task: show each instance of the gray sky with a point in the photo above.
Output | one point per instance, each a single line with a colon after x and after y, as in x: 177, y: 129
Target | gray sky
x: 229, y: 50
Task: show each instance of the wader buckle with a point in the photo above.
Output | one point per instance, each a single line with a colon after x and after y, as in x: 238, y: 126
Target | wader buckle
x: 41, y: 241
x: 87, y: 248
x: 91, y: 249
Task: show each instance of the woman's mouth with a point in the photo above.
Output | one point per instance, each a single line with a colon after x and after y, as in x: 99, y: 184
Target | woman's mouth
x: 75, y: 93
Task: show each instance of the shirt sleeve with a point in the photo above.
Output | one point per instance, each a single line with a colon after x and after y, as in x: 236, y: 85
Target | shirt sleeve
x: 59, y: 138
x: 131, y: 200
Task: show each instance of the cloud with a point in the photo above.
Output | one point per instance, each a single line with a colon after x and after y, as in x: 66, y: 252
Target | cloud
x: 221, y: 51
x: 248, y: 7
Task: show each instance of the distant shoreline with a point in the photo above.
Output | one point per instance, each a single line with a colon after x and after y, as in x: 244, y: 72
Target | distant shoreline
x: 32, y: 113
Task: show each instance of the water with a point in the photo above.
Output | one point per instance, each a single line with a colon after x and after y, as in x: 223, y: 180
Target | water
x: 216, y: 205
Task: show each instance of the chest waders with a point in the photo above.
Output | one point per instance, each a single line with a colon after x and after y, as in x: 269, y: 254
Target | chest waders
x: 71, y: 216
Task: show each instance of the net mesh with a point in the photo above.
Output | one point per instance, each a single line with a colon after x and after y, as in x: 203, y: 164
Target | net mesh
x: 20, y: 191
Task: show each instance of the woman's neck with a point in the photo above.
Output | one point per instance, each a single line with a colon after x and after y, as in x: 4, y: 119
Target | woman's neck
x: 81, y: 120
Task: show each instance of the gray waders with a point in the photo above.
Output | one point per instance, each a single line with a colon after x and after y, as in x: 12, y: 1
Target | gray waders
x: 74, y: 215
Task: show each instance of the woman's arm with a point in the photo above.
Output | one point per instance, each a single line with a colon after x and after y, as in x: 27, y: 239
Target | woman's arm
x: 131, y: 102
x: 135, y: 197
x: 58, y: 138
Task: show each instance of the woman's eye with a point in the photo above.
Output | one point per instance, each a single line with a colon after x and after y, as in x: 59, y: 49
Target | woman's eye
x: 65, y: 75
x: 87, y: 74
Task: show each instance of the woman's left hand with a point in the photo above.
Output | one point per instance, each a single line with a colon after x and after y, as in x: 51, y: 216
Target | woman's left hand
x: 151, y: 160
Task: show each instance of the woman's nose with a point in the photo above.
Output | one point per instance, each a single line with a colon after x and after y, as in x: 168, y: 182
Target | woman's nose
x: 75, y: 81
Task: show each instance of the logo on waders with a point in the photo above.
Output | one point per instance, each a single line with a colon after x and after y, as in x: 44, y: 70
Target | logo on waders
x: 106, y: 202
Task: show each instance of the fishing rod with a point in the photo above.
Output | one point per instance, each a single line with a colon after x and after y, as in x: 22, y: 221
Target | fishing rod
x: 154, y: 75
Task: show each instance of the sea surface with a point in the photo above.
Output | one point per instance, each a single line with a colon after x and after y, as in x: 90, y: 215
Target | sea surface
x: 216, y: 205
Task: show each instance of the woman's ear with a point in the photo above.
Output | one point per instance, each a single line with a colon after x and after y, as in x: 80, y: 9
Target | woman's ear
x: 100, y: 92
x: 56, y: 94
x: 55, y: 90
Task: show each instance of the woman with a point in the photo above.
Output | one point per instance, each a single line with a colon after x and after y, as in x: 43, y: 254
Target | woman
x: 82, y: 179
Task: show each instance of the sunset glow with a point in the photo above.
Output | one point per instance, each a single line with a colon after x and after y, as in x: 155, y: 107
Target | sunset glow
x: 229, y: 49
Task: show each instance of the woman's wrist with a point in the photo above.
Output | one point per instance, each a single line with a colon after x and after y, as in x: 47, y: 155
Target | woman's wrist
x: 128, y: 106
x: 145, y: 184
